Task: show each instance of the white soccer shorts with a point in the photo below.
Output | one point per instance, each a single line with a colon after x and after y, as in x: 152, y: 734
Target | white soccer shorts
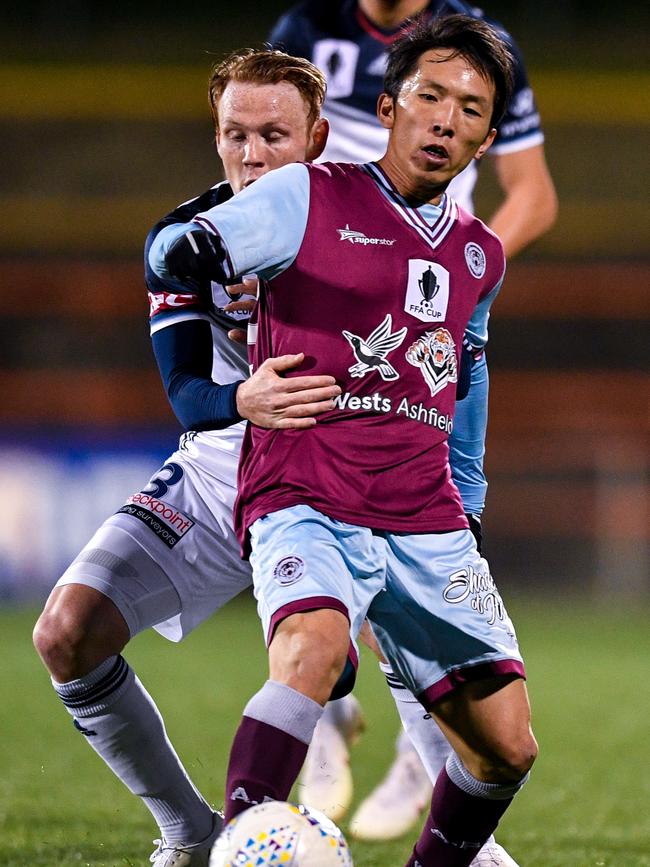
x: 169, y: 557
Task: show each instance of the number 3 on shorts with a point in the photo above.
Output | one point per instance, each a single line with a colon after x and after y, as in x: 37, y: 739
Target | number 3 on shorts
x: 169, y: 475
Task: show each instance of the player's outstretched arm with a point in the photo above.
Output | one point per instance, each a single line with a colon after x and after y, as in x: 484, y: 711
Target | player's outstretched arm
x: 529, y: 206
x: 270, y: 400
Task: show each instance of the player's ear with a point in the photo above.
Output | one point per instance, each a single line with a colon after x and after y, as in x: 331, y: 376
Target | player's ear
x: 489, y: 138
x: 386, y: 110
x: 317, y: 139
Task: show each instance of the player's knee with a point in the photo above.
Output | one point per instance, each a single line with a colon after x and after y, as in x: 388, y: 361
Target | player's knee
x: 69, y: 649
x: 309, y: 653
x: 59, y: 646
x: 78, y: 629
x: 513, y: 760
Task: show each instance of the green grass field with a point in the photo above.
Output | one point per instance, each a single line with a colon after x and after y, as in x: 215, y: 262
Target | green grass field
x: 588, y: 802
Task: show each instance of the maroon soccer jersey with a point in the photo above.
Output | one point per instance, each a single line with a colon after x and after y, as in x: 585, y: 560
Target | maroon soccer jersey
x: 379, y: 299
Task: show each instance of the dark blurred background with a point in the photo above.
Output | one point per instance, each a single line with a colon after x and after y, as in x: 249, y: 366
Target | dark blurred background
x: 104, y: 127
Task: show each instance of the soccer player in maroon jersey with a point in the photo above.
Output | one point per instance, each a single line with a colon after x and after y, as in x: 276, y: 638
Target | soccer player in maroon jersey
x: 349, y: 40
x: 358, y: 514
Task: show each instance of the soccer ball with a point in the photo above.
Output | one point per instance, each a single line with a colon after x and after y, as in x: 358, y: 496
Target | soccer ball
x: 282, y: 834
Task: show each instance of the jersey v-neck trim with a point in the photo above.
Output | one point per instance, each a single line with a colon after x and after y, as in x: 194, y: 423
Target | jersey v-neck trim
x: 431, y: 222
x: 386, y: 37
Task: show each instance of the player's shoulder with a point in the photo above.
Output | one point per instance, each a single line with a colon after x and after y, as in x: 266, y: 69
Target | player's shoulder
x: 284, y: 177
x: 343, y: 175
x: 334, y: 169
x: 312, y: 19
x: 216, y: 195
x: 478, y: 233
x: 450, y: 7
x: 186, y: 211
x: 320, y: 14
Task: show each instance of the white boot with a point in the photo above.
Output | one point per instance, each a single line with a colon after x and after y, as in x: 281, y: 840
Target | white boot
x: 395, y: 805
x: 326, y: 781
x: 493, y: 855
x: 191, y: 855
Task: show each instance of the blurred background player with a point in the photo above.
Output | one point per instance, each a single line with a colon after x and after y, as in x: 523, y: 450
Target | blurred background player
x: 348, y: 40
x: 169, y: 558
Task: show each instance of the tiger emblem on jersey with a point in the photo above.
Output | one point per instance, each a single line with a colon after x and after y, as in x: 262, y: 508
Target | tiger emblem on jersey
x: 435, y: 354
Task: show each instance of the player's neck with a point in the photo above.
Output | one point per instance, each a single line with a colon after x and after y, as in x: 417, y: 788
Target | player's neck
x: 415, y: 192
x: 389, y: 14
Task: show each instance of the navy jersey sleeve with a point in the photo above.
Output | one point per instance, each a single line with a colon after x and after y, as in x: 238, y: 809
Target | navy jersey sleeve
x: 183, y: 342
x: 290, y: 34
x: 184, y: 355
x: 521, y: 126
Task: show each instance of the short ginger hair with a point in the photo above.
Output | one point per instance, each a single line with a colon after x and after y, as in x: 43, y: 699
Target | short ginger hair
x: 268, y: 66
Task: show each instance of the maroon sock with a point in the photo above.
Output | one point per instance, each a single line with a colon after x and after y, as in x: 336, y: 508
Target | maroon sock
x: 457, y: 826
x: 264, y: 763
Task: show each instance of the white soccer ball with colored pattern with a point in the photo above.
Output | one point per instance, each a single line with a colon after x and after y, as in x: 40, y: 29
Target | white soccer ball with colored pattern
x: 279, y: 834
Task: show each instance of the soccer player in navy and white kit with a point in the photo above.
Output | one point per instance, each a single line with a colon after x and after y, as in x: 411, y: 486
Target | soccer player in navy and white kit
x: 358, y: 515
x: 169, y: 558
x: 349, y: 40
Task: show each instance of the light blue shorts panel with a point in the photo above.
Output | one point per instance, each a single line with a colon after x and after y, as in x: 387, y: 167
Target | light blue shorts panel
x: 303, y: 560
x: 441, y: 620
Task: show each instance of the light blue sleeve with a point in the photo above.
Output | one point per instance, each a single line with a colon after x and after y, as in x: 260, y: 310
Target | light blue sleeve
x: 262, y: 227
x: 467, y: 440
x: 477, y: 327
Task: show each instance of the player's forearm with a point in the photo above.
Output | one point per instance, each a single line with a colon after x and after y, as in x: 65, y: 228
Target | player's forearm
x: 522, y: 219
x: 200, y: 404
x: 184, y: 355
x: 529, y: 206
x: 467, y: 441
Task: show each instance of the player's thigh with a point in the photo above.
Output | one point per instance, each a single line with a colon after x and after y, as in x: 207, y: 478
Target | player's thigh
x: 304, y: 561
x: 442, y: 621
x: 114, y: 566
x: 169, y: 557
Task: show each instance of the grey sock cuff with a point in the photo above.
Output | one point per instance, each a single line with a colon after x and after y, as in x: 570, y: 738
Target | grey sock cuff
x: 94, y: 693
x: 285, y: 708
x: 461, y: 777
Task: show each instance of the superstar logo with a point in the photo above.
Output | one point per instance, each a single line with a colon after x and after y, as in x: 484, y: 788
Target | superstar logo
x: 355, y: 237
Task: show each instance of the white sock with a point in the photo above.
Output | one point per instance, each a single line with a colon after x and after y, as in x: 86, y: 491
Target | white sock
x: 123, y: 725
x: 424, y: 734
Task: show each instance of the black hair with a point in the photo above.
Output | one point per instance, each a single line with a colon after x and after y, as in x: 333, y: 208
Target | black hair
x: 470, y: 38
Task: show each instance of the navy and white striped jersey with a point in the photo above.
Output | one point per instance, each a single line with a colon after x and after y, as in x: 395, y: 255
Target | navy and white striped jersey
x: 170, y: 304
x: 352, y: 52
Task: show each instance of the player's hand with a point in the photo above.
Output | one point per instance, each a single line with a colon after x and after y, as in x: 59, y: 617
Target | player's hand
x: 196, y: 258
x: 248, y: 286
x: 269, y: 400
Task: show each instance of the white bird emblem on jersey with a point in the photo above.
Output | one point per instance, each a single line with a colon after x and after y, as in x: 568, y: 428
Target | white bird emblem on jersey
x: 371, y: 353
